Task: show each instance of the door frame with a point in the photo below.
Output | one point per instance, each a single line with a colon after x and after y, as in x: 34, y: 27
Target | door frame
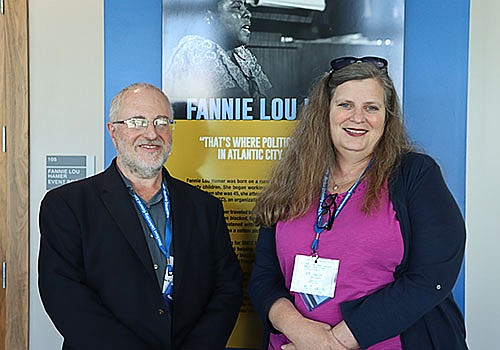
x: 14, y: 162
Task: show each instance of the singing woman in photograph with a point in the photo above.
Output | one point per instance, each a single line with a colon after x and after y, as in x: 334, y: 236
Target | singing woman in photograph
x: 214, y: 61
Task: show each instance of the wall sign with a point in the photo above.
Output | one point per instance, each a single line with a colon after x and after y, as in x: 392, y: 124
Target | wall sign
x: 63, y: 169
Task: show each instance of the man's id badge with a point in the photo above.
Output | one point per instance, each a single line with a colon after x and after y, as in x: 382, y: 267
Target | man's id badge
x: 168, y: 286
x: 315, y: 279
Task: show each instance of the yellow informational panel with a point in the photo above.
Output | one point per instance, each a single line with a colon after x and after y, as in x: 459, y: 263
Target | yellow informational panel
x: 231, y: 160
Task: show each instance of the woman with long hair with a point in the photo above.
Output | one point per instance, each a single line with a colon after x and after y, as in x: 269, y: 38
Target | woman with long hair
x: 361, y: 241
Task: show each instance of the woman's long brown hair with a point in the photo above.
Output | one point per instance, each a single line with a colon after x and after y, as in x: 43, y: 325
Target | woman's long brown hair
x: 295, y: 181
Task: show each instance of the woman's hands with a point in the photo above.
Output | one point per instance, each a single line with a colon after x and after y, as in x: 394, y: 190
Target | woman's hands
x: 344, y: 336
x: 306, y: 334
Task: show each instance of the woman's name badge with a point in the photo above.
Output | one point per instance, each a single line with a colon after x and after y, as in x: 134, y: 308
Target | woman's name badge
x: 313, y: 275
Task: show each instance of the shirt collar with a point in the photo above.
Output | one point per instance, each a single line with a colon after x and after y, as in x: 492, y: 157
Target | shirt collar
x: 156, y: 198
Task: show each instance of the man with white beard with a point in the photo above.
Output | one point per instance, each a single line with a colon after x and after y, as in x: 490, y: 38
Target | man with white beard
x: 133, y: 258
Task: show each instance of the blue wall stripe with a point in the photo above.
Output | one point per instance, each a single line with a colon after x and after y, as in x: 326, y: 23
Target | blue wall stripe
x: 132, y: 49
x: 435, y: 89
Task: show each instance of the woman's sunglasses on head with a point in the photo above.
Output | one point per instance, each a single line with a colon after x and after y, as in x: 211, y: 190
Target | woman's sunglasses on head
x: 339, y: 63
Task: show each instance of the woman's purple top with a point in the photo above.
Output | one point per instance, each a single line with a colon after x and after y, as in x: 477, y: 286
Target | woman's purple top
x: 369, y: 248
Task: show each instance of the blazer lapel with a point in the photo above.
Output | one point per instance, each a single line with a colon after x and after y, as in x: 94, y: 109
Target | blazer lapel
x: 117, y: 200
x: 182, y: 226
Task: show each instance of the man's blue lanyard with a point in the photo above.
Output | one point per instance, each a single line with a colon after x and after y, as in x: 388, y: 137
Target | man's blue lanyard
x: 324, y: 190
x: 164, y: 247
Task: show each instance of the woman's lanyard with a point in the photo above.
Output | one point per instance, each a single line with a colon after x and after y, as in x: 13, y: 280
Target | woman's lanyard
x: 164, y: 247
x: 324, y: 190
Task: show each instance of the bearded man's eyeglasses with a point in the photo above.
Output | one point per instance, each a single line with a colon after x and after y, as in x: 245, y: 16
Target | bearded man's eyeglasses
x: 342, y: 62
x: 141, y: 123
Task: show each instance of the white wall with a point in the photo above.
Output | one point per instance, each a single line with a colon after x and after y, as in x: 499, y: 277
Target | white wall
x: 483, y: 170
x: 66, y: 112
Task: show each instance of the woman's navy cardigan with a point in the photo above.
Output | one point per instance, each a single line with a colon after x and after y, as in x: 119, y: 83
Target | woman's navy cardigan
x: 419, y: 304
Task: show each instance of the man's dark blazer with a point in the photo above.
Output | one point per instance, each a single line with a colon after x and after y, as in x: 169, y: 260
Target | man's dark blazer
x: 96, y: 276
